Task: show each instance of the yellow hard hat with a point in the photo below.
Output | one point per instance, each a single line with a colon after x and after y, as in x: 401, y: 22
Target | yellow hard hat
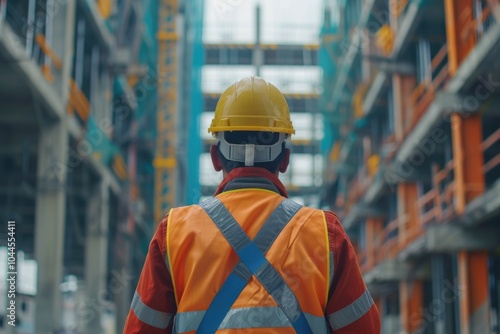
x: 252, y: 104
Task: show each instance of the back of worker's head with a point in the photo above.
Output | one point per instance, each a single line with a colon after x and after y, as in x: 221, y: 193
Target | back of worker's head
x: 251, y: 124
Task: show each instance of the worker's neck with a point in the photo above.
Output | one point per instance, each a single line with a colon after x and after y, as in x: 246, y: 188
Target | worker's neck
x: 225, y: 173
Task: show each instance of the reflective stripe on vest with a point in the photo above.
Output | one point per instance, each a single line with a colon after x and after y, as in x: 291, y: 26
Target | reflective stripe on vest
x: 148, y: 315
x: 351, y: 312
x: 252, y: 261
x: 251, y: 317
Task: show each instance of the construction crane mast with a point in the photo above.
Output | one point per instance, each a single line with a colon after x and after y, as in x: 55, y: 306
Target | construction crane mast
x: 165, y: 163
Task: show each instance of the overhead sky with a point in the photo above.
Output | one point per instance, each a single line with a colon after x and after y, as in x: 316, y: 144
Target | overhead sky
x: 283, y: 21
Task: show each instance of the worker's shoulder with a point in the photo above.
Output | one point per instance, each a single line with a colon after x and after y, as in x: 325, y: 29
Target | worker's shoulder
x: 333, y: 222
x: 186, y: 209
x: 329, y: 215
x: 179, y: 210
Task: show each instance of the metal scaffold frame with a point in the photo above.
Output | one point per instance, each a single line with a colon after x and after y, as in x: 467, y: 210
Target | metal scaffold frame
x: 165, y: 163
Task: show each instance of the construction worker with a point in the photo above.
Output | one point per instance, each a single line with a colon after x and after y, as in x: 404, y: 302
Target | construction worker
x: 249, y: 260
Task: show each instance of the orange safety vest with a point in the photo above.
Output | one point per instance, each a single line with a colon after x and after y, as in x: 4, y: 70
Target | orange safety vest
x: 201, y: 259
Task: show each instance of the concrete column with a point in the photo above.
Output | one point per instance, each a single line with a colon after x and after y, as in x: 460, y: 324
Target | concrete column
x: 51, y: 175
x: 64, y: 21
x: 374, y: 227
x: 49, y: 224
x: 438, y: 307
x: 469, y: 180
x: 96, y: 252
x: 409, y: 229
x: 411, y: 295
x: 403, y: 86
x: 474, y: 297
x: 123, y: 292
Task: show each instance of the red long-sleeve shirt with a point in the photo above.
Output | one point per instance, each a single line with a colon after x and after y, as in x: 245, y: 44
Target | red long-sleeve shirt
x: 350, y: 308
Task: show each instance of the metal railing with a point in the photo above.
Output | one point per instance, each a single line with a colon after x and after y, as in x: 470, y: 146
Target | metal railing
x: 423, y: 95
x: 481, y: 23
x: 437, y: 205
x: 386, y: 244
x: 34, y: 36
x: 491, y: 152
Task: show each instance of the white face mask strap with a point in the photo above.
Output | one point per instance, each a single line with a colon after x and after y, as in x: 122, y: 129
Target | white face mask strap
x: 250, y: 153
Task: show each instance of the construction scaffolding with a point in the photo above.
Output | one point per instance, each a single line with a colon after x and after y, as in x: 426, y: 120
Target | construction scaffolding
x: 104, y: 107
x: 91, y: 114
x: 415, y: 157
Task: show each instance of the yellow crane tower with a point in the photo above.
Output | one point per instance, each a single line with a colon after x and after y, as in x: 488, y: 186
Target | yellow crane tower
x: 165, y: 162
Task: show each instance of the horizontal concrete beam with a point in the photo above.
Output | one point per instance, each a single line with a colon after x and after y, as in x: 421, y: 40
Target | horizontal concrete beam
x: 360, y: 211
x: 407, y: 27
x: 482, y: 208
x: 389, y: 270
x: 376, y: 187
x: 379, y: 289
x: 374, y: 92
x: 405, y: 172
x: 391, y: 67
x: 414, y: 250
x: 428, y: 123
x: 452, y: 238
x: 450, y: 103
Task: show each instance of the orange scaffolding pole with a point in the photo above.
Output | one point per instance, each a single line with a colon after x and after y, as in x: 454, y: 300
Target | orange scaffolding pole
x: 469, y: 179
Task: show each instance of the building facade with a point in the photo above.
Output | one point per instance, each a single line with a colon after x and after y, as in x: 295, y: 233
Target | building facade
x: 83, y: 85
x: 414, y: 105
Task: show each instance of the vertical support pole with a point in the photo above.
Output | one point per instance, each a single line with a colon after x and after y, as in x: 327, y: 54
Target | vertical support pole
x: 64, y: 20
x: 3, y: 13
x: 105, y: 81
x: 95, y: 91
x: 51, y: 197
x: 402, y: 87
x: 31, y: 27
x: 407, y: 208
x: 466, y: 140
x: 469, y: 180
x: 402, y: 84
x: 258, y: 56
x: 437, y: 277
x: 49, y: 28
x: 411, y: 298
x: 80, y: 49
x: 49, y: 224
x: 373, y: 231
x: 459, y: 16
x: 96, y: 250
x: 474, y: 299
x: 121, y: 285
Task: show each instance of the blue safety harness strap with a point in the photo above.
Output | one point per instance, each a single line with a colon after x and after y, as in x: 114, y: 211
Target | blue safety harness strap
x: 252, y: 262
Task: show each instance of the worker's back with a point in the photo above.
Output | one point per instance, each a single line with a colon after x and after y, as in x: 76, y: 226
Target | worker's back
x: 249, y: 260
x: 201, y: 259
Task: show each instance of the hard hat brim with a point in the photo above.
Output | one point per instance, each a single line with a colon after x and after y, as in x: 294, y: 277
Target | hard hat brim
x: 216, y: 129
